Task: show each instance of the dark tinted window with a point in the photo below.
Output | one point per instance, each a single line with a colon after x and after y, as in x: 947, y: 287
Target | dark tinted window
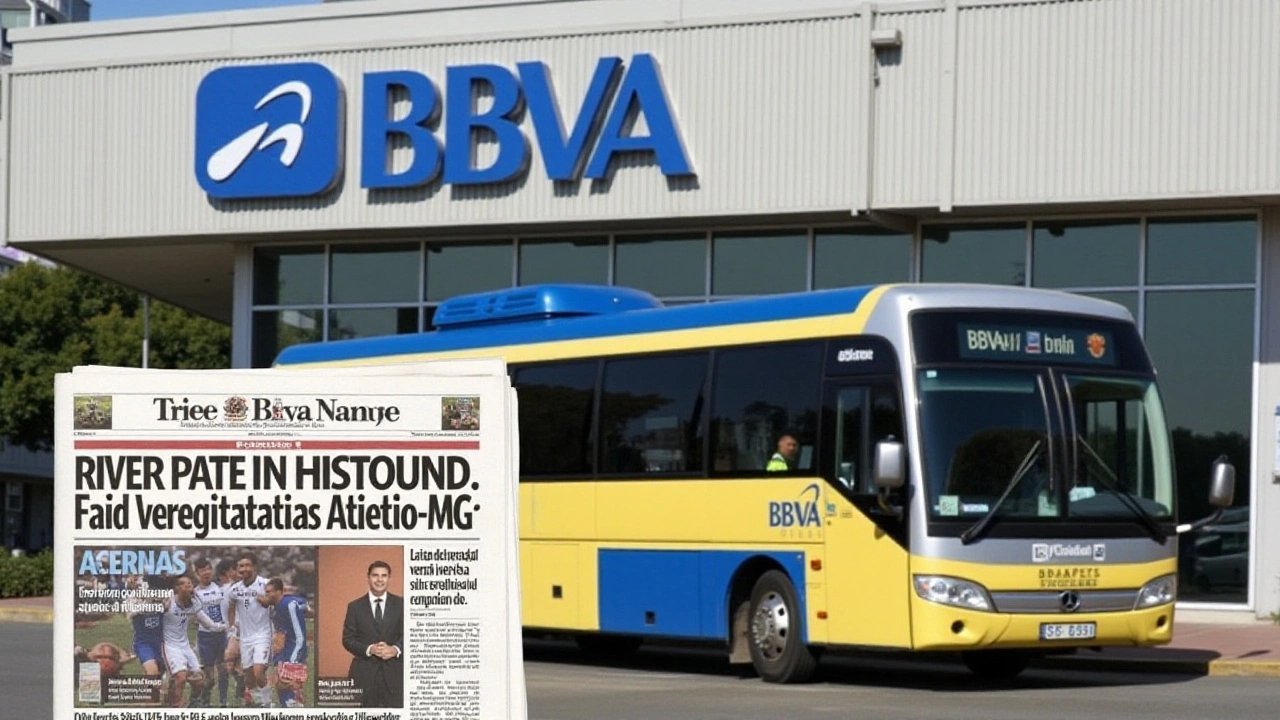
x: 761, y: 393
x: 1086, y: 254
x: 288, y: 275
x: 860, y: 256
x: 651, y: 414
x: 374, y: 273
x: 994, y: 254
x: 1212, y: 250
x: 862, y: 417
x: 555, y: 418
x: 759, y: 263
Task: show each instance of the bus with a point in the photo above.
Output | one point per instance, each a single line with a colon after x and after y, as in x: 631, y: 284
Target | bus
x: 972, y: 469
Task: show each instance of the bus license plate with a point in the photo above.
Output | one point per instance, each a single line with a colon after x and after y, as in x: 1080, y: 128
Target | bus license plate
x: 1068, y: 631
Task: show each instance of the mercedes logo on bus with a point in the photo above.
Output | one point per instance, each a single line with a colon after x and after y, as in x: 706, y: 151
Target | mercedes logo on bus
x: 1069, y: 601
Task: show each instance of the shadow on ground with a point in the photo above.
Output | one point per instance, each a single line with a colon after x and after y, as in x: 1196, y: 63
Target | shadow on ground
x: 937, y: 672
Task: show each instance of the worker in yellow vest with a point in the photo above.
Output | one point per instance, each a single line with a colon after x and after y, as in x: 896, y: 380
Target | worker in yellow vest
x: 785, y: 457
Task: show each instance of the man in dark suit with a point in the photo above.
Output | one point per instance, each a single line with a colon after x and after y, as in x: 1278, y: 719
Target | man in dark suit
x: 372, y: 632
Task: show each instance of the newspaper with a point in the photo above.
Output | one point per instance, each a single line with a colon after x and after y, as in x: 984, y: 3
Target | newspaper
x: 311, y: 497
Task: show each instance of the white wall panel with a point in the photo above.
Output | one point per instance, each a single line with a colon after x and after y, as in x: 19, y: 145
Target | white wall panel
x: 909, y: 120
x: 1117, y: 100
x: 53, y: 161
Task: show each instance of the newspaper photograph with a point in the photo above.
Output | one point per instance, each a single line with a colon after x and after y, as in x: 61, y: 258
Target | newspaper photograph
x: 264, y: 543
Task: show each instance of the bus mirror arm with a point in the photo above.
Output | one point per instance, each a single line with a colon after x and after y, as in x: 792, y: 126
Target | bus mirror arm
x: 883, y: 499
x: 1222, y: 492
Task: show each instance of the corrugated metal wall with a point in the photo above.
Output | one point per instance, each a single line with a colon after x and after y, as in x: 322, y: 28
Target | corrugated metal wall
x: 909, y: 124
x: 1118, y: 99
x: 766, y: 111
x: 995, y: 103
x: 1079, y: 101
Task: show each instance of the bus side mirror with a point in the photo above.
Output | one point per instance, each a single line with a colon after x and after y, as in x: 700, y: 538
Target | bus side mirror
x: 1222, y: 486
x: 890, y: 465
x: 1222, y: 492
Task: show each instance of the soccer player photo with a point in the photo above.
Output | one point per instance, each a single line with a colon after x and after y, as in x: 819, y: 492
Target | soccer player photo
x: 196, y: 626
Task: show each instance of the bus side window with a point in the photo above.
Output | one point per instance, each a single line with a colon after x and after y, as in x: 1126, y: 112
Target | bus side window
x: 650, y: 414
x: 759, y: 394
x: 556, y: 403
x: 886, y: 423
x: 862, y: 416
x: 850, y: 440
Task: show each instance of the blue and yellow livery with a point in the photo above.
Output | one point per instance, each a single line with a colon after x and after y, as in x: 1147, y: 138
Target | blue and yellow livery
x: 925, y: 467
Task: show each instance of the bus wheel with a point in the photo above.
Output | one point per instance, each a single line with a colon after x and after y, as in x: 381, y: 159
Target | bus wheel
x: 996, y: 664
x: 778, y: 651
x: 608, y: 646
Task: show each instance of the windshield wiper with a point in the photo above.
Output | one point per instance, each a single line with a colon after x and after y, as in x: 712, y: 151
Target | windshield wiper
x: 977, y: 528
x: 1125, y: 497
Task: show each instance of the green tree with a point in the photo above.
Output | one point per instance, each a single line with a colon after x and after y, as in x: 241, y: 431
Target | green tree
x: 53, y: 319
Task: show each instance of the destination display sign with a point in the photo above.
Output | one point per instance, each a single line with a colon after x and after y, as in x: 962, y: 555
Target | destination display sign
x: 1035, y: 344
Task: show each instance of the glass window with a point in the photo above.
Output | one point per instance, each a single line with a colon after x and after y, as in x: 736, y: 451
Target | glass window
x: 863, y: 256
x: 850, y: 444
x: 555, y: 418
x: 981, y: 430
x: 462, y: 268
x: 1202, y: 346
x: 10, y: 19
x: 373, y: 273
x: 276, y: 330
x: 584, y: 260
x: 864, y: 415
x: 651, y: 414
x: 1095, y: 254
x: 665, y: 266
x: 1122, y: 450
x: 759, y: 263
x: 347, y: 323
x: 995, y: 254
x: 762, y: 395
x: 1202, y: 251
x: 288, y: 275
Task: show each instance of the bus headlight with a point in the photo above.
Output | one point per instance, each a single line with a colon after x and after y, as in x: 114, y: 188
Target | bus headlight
x: 952, y: 591
x: 1160, y: 591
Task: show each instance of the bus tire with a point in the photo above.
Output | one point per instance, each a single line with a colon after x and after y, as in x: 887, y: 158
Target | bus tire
x: 776, y: 631
x: 996, y: 664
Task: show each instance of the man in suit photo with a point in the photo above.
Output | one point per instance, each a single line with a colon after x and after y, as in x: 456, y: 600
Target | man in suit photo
x: 372, y: 633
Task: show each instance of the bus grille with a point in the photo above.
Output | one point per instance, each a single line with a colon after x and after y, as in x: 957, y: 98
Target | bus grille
x: 1050, y: 601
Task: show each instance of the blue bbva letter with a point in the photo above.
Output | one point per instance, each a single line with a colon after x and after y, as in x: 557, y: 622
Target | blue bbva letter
x: 564, y: 157
x: 461, y: 121
x: 375, y: 152
x: 642, y: 85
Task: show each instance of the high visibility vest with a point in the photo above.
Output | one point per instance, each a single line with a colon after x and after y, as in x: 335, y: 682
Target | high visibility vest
x: 777, y: 463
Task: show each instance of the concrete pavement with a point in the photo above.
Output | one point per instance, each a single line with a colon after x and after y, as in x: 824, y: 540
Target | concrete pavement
x: 1239, y: 649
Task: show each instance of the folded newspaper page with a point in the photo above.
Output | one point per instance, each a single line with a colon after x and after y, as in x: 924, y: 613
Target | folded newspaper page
x: 256, y: 541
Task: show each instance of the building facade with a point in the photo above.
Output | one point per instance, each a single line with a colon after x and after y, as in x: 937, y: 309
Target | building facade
x: 33, y: 13
x: 26, y: 478
x: 336, y: 171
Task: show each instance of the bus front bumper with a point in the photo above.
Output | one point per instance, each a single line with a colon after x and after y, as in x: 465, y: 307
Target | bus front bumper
x: 943, y: 627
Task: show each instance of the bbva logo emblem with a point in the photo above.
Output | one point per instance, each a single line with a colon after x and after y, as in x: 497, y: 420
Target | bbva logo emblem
x: 801, y: 512
x: 277, y: 130
x: 269, y: 131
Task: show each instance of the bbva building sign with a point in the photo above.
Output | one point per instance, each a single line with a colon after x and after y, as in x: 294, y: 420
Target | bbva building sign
x: 277, y: 130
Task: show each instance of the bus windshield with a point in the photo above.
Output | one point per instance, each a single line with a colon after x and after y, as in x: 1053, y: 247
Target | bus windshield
x: 982, y: 429
x: 1122, y: 461
x: 986, y: 447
